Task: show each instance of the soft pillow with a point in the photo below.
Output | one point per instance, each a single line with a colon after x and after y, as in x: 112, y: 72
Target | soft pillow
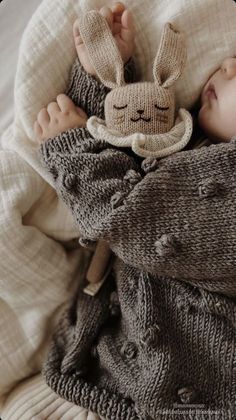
x: 47, y: 50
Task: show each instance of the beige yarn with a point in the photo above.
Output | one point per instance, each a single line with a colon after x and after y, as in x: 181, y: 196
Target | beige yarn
x: 146, y: 108
x: 149, y: 145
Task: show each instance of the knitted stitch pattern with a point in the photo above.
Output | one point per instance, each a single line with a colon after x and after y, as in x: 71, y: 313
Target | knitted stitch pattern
x: 172, y: 347
x: 159, y: 336
x: 194, y: 349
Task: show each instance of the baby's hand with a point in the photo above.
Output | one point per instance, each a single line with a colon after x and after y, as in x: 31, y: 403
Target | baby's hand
x: 58, y: 117
x: 121, y: 23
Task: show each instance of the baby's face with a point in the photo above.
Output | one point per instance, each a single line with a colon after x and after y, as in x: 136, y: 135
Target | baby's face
x: 217, y: 115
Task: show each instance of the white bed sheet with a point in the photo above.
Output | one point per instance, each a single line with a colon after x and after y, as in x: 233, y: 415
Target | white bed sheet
x: 14, y: 16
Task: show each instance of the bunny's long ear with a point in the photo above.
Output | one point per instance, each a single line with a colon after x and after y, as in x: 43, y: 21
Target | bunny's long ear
x: 171, y: 57
x: 102, y: 49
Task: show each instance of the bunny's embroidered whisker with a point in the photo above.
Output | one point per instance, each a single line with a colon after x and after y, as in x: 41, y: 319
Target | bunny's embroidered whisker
x: 162, y: 118
x: 140, y: 118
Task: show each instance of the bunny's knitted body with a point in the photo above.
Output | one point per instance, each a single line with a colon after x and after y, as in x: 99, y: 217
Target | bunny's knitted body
x: 159, y: 337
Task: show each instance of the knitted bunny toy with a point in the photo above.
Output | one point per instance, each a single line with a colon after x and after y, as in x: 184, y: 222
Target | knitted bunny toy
x: 139, y: 115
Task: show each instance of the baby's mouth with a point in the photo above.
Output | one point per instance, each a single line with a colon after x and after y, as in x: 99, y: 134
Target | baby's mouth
x: 140, y: 118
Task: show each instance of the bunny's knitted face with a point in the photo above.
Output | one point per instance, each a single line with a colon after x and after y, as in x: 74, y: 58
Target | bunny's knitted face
x: 140, y: 108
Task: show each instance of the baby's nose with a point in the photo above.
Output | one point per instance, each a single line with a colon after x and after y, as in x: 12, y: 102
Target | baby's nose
x: 229, y: 67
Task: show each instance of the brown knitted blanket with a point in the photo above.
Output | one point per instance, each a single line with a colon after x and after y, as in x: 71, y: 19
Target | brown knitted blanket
x: 158, y: 340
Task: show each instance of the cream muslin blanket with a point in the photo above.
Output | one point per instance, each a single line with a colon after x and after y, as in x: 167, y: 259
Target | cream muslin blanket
x: 37, y: 273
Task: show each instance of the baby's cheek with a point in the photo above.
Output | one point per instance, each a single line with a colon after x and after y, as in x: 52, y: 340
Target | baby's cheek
x: 205, y: 118
x: 211, y: 124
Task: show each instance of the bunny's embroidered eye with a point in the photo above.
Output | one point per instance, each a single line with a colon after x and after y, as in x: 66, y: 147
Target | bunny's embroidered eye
x: 160, y: 108
x: 120, y: 107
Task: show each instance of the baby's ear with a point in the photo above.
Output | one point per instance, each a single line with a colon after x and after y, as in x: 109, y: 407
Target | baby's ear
x: 171, y: 57
x: 102, y: 48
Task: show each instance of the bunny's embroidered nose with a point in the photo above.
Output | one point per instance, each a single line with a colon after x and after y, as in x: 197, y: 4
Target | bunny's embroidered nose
x: 140, y: 111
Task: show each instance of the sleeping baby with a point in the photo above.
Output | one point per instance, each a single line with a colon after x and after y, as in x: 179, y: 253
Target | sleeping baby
x: 149, y: 338
x: 217, y: 99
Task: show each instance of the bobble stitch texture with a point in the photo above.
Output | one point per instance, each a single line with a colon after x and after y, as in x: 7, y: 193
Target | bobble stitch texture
x: 149, y: 164
x: 69, y: 181
x: 208, y: 188
x: 150, y: 338
x: 167, y: 245
x: 128, y: 350
x: 117, y: 199
x: 187, y: 395
x: 132, y: 176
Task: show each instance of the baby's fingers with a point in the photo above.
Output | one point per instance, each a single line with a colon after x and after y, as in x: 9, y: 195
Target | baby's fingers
x: 127, y: 26
x: 65, y: 103
x: 117, y: 10
x: 106, y: 12
x: 53, y: 109
x: 43, y: 117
